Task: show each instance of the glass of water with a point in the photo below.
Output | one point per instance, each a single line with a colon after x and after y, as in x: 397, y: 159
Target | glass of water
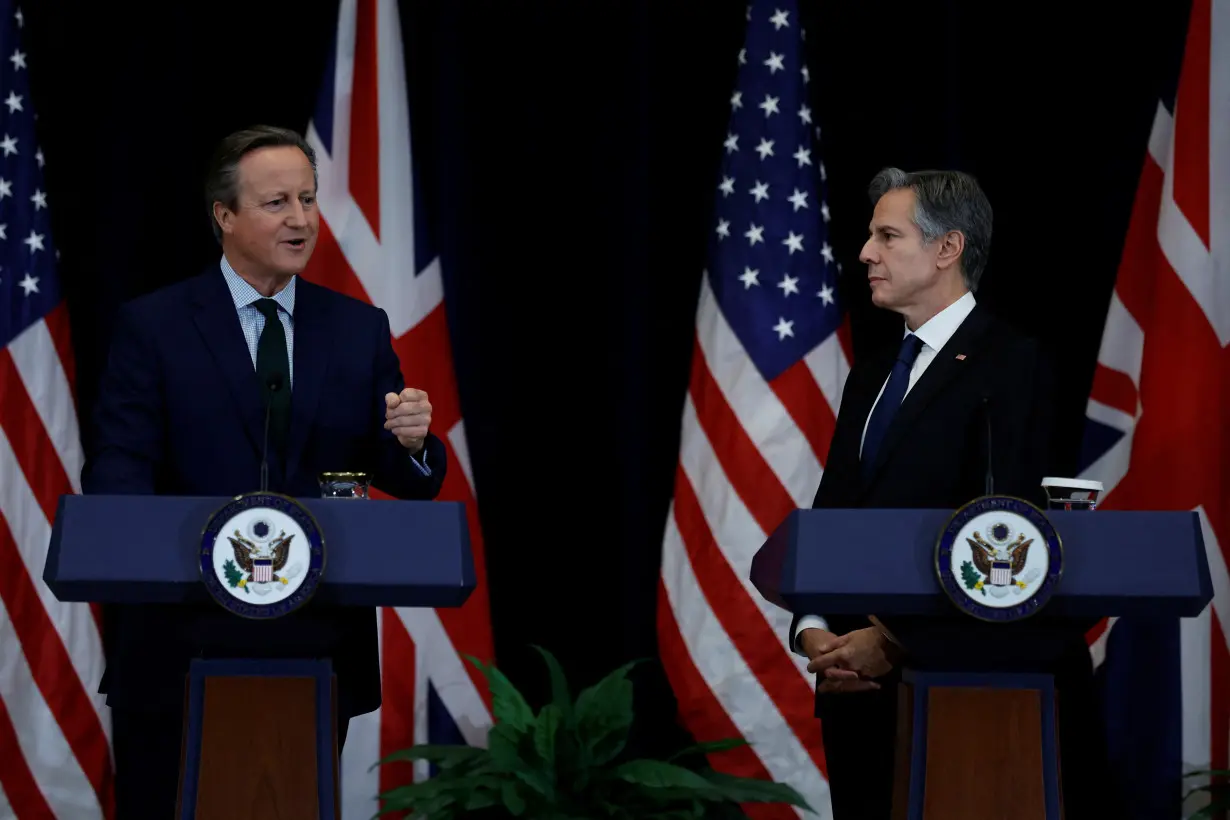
x: 1071, y: 493
x: 344, y: 485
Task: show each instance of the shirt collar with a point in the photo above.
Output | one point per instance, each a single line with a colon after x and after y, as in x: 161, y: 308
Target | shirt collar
x: 936, y: 331
x: 244, y: 294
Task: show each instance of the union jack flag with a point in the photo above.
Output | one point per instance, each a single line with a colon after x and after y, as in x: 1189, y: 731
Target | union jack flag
x: 1158, y: 416
x: 372, y: 246
x: 55, y: 758
x: 768, y: 369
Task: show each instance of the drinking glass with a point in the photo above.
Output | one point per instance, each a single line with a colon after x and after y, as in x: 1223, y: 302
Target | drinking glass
x: 344, y: 485
x: 1071, y: 493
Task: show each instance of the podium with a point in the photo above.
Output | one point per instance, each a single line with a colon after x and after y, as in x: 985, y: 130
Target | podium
x: 145, y: 549
x: 882, y: 562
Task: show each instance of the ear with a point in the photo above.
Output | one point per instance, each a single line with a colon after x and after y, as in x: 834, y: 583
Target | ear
x: 224, y: 216
x: 952, y: 244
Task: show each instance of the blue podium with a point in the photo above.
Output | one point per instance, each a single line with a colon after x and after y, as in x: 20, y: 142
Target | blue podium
x: 145, y: 549
x: 882, y: 562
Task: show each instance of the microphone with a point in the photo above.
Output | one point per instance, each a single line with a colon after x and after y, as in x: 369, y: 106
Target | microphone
x: 990, y: 477
x: 273, y: 384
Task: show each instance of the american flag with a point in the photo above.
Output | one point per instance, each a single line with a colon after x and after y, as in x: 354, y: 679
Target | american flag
x: 767, y: 374
x: 55, y: 758
x: 1158, y: 417
x: 373, y: 246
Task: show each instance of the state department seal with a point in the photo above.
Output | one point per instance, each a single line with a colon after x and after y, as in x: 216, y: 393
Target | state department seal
x: 262, y: 555
x: 999, y: 559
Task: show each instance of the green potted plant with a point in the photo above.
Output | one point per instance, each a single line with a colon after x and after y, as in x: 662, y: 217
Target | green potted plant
x: 566, y: 763
x: 1218, y: 790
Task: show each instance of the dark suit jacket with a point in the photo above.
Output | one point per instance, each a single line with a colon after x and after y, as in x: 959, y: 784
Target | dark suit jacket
x: 181, y: 412
x: 934, y: 454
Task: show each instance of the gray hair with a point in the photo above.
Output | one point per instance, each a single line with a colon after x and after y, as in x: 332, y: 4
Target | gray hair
x: 222, y: 180
x: 945, y: 201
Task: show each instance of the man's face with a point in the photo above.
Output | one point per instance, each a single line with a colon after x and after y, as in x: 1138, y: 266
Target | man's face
x: 901, y: 268
x: 273, y: 229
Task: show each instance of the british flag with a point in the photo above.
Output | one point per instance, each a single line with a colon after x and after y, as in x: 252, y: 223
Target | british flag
x: 768, y: 368
x: 1158, y: 417
x: 372, y: 245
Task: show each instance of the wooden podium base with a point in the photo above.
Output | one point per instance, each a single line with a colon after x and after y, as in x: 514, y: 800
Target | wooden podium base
x: 260, y: 741
x: 976, y: 745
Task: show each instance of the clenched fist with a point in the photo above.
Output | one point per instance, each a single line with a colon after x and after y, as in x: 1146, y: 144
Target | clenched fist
x: 408, y: 416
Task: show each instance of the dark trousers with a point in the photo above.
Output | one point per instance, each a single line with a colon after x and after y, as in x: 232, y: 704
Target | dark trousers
x: 860, y: 740
x: 147, y: 754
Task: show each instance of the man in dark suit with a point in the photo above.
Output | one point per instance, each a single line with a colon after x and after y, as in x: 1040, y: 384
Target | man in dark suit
x: 192, y: 370
x: 912, y: 432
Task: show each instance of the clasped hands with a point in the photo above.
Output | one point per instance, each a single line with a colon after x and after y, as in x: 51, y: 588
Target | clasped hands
x: 848, y: 663
x: 407, y: 415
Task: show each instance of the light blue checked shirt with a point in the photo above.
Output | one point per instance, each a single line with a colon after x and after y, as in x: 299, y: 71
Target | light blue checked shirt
x: 252, y: 321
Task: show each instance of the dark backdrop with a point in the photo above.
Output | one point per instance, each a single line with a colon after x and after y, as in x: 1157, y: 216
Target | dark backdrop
x: 570, y: 150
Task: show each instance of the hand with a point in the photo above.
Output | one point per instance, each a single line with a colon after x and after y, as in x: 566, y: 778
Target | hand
x: 816, y: 643
x: 408, y: 416
x: 847, y: 663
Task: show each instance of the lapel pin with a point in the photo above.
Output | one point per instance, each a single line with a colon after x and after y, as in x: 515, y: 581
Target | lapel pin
x: 960, y: 357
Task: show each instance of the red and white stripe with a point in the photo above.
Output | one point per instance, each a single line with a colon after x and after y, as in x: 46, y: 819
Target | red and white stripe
x: 1163, y: 372
x: 55, y: 756
x: 366, y: 249
x: 751, y: 452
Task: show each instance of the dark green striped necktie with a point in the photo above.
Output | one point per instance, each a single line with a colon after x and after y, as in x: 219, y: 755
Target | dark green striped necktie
x: 273, y: 370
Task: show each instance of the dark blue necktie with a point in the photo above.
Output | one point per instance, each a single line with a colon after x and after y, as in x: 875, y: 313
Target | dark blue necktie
x: 889, y: 401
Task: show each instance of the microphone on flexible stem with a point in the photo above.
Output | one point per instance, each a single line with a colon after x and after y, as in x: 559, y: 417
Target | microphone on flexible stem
x: 273, y: 384
x: 990, y: 478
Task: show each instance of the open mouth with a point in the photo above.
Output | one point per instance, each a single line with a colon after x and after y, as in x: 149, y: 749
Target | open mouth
x: 297, y: 244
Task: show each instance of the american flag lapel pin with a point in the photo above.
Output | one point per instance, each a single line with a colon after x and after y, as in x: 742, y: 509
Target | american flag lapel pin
x: 960, y: 357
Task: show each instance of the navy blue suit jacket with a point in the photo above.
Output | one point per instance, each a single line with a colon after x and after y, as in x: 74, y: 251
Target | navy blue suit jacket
x: 181, y: 412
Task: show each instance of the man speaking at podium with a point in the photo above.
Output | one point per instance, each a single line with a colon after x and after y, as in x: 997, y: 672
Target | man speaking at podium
x: 912, y: 432
x: 194, y: 371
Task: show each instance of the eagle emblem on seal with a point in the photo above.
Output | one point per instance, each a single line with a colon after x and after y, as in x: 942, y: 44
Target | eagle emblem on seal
x: 260, y: 558
x: 996, y: 561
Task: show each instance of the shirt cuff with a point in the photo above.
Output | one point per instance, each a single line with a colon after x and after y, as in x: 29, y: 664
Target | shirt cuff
x: 806, y: 622
x: 420, y: 462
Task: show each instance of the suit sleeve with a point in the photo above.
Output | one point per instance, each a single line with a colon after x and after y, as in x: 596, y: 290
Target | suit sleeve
x: 129, y: 420
x: 401, y: 475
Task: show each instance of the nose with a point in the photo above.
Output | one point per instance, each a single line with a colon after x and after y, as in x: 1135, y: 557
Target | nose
x: 868, y: 255
x: 297, y: 216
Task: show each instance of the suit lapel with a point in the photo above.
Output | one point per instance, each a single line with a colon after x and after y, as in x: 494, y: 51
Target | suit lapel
x: 312, y: 351
x: 218, y: 323
x: 945, y: 367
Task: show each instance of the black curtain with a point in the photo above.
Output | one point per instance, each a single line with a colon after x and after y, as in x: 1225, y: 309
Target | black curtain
x: 571, y: 151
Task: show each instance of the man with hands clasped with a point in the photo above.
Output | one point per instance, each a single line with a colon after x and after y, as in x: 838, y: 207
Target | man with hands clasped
x: 912, y: 433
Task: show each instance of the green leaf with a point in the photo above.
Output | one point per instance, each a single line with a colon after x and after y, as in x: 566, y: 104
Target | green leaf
x: 232, y: 573
x: 604, y: 715
x: 507, y: 704
x: 483, y: 798
x: 513, y: 801
x: 1208, y: 773
x: 711, y: 747
x: 658, y: 774
x: 754, y: 790
x: 971, y: 576
x: 549, y: 720
x: 560, y: 694
x: 504, y: 747
x: 1210, y: 811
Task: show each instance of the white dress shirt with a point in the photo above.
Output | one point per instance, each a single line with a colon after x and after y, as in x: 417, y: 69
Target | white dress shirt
x: 934, y: 333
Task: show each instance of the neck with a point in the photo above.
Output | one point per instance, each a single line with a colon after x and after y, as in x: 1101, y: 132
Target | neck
x: 918, y: 315
x: 266, y: 284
